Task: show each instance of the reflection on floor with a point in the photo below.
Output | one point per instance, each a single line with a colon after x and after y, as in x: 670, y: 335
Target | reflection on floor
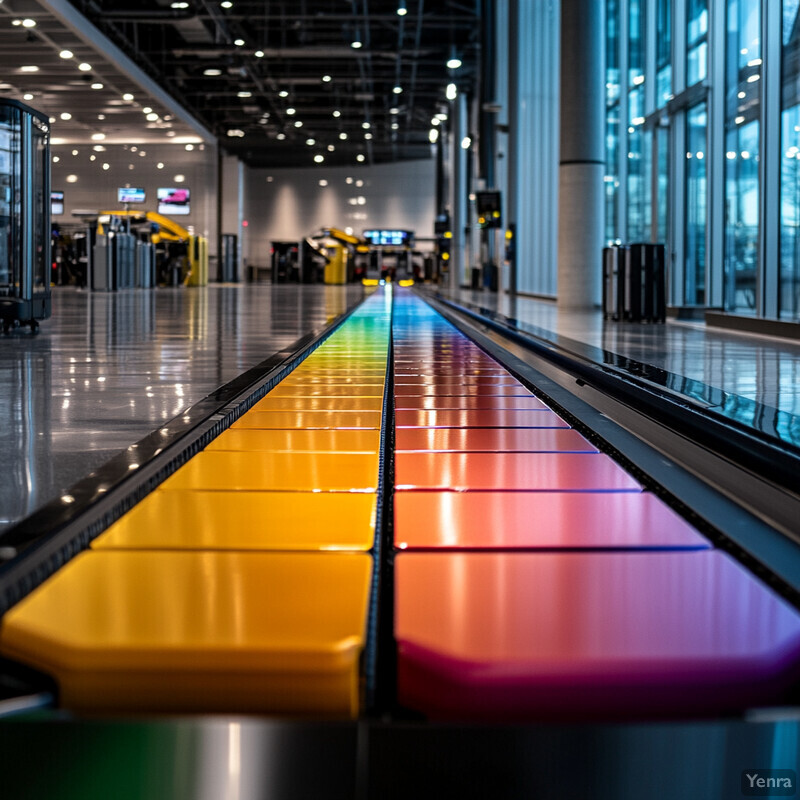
x: 109, y: 368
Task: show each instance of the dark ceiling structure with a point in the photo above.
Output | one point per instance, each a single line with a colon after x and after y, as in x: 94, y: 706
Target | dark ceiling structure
x: 291, y: 82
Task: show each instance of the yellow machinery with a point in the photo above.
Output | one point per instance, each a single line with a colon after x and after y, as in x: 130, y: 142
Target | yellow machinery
x: 195, y: 270
x: 339, y: 247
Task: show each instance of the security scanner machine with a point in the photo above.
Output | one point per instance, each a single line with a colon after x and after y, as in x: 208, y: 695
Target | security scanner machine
x: 24, y: 215
x: 390, y: 254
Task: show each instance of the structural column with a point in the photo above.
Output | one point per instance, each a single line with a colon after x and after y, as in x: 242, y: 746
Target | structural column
x: 460, y: 191
x: 582, y: 159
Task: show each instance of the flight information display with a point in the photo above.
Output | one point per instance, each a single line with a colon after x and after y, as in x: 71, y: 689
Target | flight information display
x: 389, y: 238
x: 127, y: 195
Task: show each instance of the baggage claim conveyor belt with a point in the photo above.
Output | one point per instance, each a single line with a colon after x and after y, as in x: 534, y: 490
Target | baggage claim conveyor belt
x: 405, y: 534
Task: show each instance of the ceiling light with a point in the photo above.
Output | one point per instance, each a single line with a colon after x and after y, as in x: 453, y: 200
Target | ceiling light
x: 433, y: 135
x: 401, y: 8
x: 454, y: 63
x: 74, y: 152
x: 226, y: 4
x: 394, y: 110
x: 360, y: 157
x: 337, y: 113
x: 283, y: 93
x: 235, y: 133
x: 395, y: 126
x: 451, y: 92
x: 212, y: 72
x: 66, y: 54
x: 319, y: 159
x: 29, y: 68
x: 65, y: 115
x: 106, y: 165
x: 359, y: 183
x: 398, y: 90
x: 441, y: 116
x: 244, y: 94
x: 179, y: 5
x: 71, y: 179
x: 98, y: 137
x: 365, y: 126
x: 298, y: 124
x: 27, y: 96
x: 348, y: 180
x: 291, y: 111
x: 356, y: 43
x: 331, y: 148
x: 179, y: 178
x: 465, y: 143
x: 28, y: 23
x: 342, y: 135
x: 239, y: 42
x: 189, y: 147
x: 436, y: 121
x: 367, y: 135
x: 160, y: 165
x: 101, y: 117
x: 97, y: 86
x: 323, y: 182
x: 326, y: 79
x: 259, y: 54
x: 281, y: 136
x: 170, y: 133
x: 56, y: 159
x: 146, y: 110
x: 309, y: 142
x: 152, y: 117
x: 127, y: 96
x: 84, y: 67
x: 98, y: 148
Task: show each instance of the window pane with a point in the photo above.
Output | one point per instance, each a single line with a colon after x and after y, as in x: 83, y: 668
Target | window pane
x: 612, y: 51
x: 662, y: 201
x: 612, y: 173
x: 742, y: 145
x: 636, y: 39
x: 639, y: 156
x: 790, y: 164
x: 663, y: 51
x: 696, y: 206
x: 696, y: 41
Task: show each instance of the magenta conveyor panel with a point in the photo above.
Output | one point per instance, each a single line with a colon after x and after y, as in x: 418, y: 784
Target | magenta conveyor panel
x: 406, y: 403
x: 460, y: 390
x: 504, y: 636
x: 540, y: 521
x: 554, y: 472
x: 481, y: 418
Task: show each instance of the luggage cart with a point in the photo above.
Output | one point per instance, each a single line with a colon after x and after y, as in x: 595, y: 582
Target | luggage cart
x: 24, y: 216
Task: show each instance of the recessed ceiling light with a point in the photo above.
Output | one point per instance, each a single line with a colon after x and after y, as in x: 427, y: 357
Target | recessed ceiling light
x: 101, y: 117
x: 29, y: 68
x: 179, y: 5
x: 74, y: 152
x: 331, y: 148
x: 291, y: 111
x: 298, y: 124
x: 52, y: 120
x: 395, y: 126
x: 281, y: 136
x: 239, y: 42
x: 360, y: 157
x: 146, y: 110
x: 106, y: 166
x: 226, y: 4
x: 318, y: 158
x: 189, y: 147
x: 179, y: 178
x: 367, y: 135
x: 398, y: 90
x: 259, y: 54
x: 98, y: 137
x: 170, y: 133
x: 71, y: 178
x: 84, y: 67
x: 309, y: 142
x: 93, y: 157
x: 212, y: 72
x: 454, y: 63
x: 356, y: 44
x: 323, y: 182
x: 337, y: 113
x: 152, y: 117
x: 127, y: 96
x: 27, y: 96
x: 451, y: 91
x: 56, y: 159
x: 142, y: 153
x: 342, y: 135
x: 98, y: 148
x: 394, y: 110
x: 366, y: 126
x: 65, y: 115
x: 235, y: 133
x: 28, y: 23
x: 326, y: 79
x: 66, y: 54
x: 244, y: 94
x: 401, y: 8
x: 97, y: 86
x: 283, y: 93
x: 160, y: 165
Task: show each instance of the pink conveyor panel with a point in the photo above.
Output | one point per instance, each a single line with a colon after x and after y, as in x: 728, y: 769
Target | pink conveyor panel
x: 492, y: 440
x: 555, y: 635
x: 403, y: 403
x: 456, y: 390
x: 564, y: 472
x: 539, y: 520
x: 482, y: 418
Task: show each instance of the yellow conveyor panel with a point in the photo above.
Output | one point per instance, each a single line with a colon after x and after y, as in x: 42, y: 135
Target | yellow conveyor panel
x: 318, y: 404
x: 265, y: 471
x: 309, y: 419
x: 199, y: 631
x: 296, y: 441
x: 197, y: 520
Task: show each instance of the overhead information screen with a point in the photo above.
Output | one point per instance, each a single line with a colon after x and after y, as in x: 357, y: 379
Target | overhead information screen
x: 128, y: 195
x: 390, y: 238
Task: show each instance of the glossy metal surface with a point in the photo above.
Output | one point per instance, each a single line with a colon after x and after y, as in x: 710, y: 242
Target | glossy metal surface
x: 308, y: 420
x: 467, y: 402
x: 490, y: 440
x: 539, y: 520
x: 298, y: 441
x: 217, y: 520
x: 553, y: 634
x: 109, y: 368
x: 554, y: 472
x: 199, y: 631
x: 481, y: 418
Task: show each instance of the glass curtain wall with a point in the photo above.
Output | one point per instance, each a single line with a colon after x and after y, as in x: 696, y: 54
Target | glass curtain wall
x: 789, y: 277
x: 742, y: 154
x: 612, y: 119
x: 696, y: 205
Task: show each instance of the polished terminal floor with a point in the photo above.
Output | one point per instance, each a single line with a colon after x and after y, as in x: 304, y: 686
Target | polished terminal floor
x: 108, y: 369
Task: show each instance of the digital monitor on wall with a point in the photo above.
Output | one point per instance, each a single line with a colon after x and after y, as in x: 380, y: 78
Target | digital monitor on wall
x: 56, y: 203
x: 128, y: 195
x: 173, y: 201
x: 389, y: 238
